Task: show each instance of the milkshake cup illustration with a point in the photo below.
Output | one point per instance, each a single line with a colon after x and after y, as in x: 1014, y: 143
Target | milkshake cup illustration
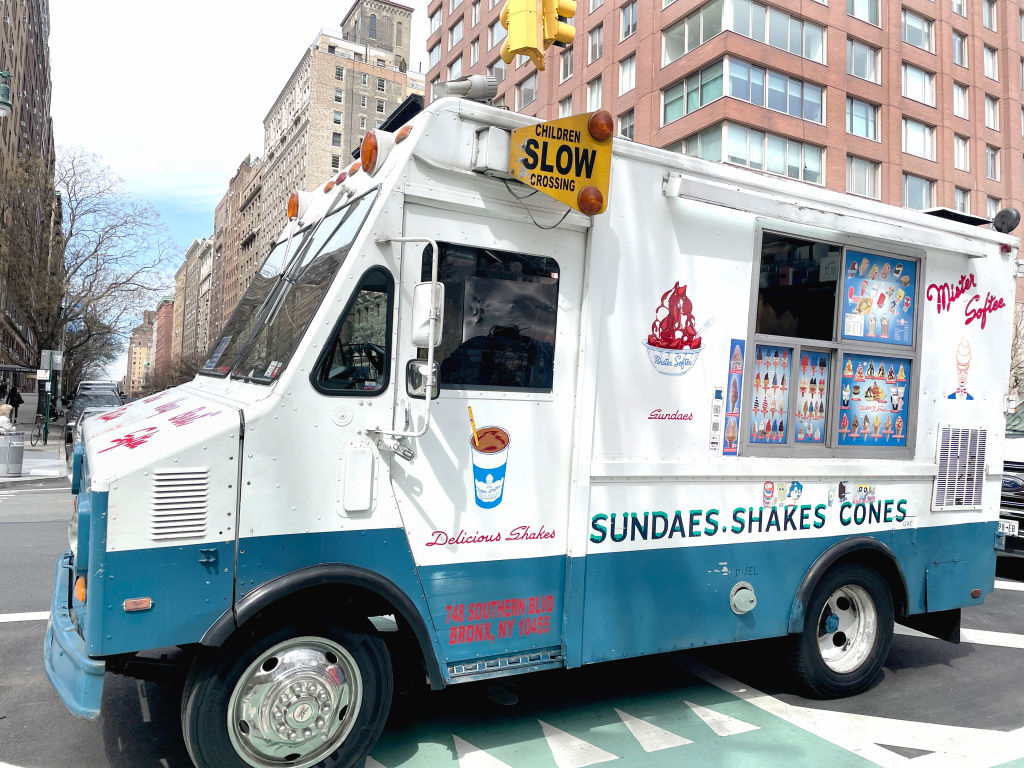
x: 490, y: 456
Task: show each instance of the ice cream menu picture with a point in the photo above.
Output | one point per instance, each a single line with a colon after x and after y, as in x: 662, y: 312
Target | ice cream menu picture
x: 772, y: 379
x: 879, y: 294
x: 873, y: 408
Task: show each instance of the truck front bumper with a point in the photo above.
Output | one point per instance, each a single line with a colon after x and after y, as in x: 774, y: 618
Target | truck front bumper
x: 77, y: 677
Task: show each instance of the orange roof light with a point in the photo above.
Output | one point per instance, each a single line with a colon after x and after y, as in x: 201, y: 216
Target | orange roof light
x: 354, y: 168
x: 293, y: 206
x: 590, y: 200
x: 329, y: 186
x: 341, y: 177
x: 601, y: 126
x: 403, y: 134
x: 369, y: 151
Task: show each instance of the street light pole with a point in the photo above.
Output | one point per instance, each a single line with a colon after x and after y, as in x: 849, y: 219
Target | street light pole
x: 5, y: 93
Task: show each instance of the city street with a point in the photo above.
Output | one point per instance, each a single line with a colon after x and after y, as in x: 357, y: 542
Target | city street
x: 938, y: 704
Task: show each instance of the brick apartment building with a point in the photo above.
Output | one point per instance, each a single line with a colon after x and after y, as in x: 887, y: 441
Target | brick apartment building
x: 915, y: 103
x: 140, y: 355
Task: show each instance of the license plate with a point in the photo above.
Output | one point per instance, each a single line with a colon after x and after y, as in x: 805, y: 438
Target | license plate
x: 1009, y: 527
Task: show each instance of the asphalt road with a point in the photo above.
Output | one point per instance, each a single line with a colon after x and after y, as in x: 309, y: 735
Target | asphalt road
x: 938, y: 704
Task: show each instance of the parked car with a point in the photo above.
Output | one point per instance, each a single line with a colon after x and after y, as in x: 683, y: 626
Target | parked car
x: 76, y: 432
x: 100, y: 398
x: 1011, y: 506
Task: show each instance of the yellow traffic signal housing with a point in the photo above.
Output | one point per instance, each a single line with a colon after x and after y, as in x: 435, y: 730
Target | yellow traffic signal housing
x: 523, y: 20
x: 555, y: 31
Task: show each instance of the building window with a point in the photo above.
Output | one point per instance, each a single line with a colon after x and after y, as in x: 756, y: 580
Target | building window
x: 961, y: 153
x: 339, y: 96
x: 565, y: 107
x: 398, y: 33
x: 627, y: 74
x: 918, y: 193
x: 626, y: 125
x: 862, y: 176
x: 339, y: 73
x: 960, y: 7
x: 960, y: 100
x: 362, y: 102
x: 992, y: 206
x: 988, y: 14
x: 628, y: 17
x: 379, y: 123
x: 565, y: 65
x: 918, y: 139
x: 596, y: 39
x: 380, y: 106
x: 991, y: 163
x: 1020, y: 25
x: 918, y: 85
x: 495, y: 33
x: 455, y: 34
x: 454, y: 4
x: 335, y: 139
x: 917, y: 31
x: 455, y: 69
x: 497, y: 70
x: 435, y: 20
x: 475, y: 13
x: 434, y: 56
x: 962, y: 200
x: 991, y: 63
x: 692, y: 93
x: 381, y: 84
x: 526, y: 91
x: 335, y: 162
x: 362, y: 123
x: 373, y: 26
x: 862, y: 60
x: 747, y: 82
x: 474, y: 51
x: 865, y: 10
x: 595, y: 4
x: 761, y: 151
x: 992, y: 113
x: 862, y: 119
x: 594, y: 94
x: 959, y: 49
x: 365, y: 78
x: 337, y: 118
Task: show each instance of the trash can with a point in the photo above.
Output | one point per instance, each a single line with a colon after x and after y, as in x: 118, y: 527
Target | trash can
x: 12, y: 453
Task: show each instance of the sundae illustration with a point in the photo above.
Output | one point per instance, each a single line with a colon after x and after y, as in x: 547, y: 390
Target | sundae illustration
x: 674, y: 342
x: 963, y: 363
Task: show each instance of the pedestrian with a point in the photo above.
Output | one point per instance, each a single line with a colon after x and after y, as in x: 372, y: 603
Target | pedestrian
x: 14, y: 399
x: 3, y: 389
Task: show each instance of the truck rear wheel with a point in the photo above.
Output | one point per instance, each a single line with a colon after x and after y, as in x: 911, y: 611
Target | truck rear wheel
x: 848, y: 628
x: 307, y: 695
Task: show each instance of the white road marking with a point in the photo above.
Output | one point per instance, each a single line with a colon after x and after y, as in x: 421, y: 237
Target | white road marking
x: 370, y: 763
x: 472, y: 757
x: 722, y: 725
x: 140, y: 686
x: 951, y: 746
x: 975, y: 636
x: 571, y: 752
x: 1013, y: 586
x: 37, y: 616
x: 651, y: 737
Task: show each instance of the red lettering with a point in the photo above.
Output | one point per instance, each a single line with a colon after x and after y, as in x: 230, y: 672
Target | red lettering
x: 944, y: 294
x: 991, y: 304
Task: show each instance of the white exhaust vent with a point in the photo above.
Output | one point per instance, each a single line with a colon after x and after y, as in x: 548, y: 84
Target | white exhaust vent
x: 961, y: 457
x: 180, y: 498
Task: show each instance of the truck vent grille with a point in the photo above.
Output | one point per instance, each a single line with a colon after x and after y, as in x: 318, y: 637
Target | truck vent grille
x: 961, y: 456
x: 180, y: 499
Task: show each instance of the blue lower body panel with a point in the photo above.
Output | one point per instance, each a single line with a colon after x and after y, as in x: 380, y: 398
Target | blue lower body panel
x: 74, y: 675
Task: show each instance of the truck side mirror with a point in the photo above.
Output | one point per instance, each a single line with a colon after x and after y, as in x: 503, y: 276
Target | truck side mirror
x: 421, y: 314
x: 416, y: 380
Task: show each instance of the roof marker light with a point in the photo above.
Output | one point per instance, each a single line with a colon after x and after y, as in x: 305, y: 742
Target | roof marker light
x: 590, y: 201
x: 600, y: 125
x: 403, y: 134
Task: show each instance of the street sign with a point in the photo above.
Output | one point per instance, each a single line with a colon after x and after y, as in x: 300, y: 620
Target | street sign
x: 43, y: 374
x: 51, y: 359
x: 561, y: 158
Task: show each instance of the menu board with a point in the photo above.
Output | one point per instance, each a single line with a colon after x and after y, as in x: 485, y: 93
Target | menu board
x: 873, y: 407
x: 879, y: 294
x: 772, y: 379
x: 812, y: 397
x: 734, y: 397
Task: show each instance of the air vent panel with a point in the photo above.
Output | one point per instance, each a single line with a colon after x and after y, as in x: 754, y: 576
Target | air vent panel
x: 179, y: 504
x: 961, y: 458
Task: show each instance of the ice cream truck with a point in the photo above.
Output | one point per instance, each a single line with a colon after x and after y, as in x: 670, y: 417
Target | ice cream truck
x: 510, y: 396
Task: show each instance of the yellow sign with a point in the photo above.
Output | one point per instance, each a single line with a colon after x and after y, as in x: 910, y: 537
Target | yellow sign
x: 568, y: 159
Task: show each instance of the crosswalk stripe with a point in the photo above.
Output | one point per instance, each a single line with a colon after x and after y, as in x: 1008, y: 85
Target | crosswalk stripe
x: 36, y: 616
x: 723, y: 725
x: 370, y: 763
x: 976, y: 636
x: 651, y: 737
x: 474, y: 757
x: 571, y: 752
x: 1013, y: 586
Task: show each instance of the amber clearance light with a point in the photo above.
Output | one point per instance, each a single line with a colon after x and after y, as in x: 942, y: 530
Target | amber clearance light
x: 600, y: 125
x: 80, y: 589
x: 368, y: 152
x: 293, y: 205
x: 590, y: 201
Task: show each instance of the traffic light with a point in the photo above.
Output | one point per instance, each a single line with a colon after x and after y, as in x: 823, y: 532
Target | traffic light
x: 555, y: 30
x: 522, y: 19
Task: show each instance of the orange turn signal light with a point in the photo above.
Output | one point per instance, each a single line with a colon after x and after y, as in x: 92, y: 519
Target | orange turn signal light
x: 354, y: 168
x: 403, y: 134
x: 137, y: 604
x: 293, y: 205
x: 80, y: 589
x: 368, y: 152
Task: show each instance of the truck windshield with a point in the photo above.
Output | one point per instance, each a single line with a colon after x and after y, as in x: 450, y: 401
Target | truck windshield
x: 1015, y: 423
x: 239, y: 327
x: 291, y: 307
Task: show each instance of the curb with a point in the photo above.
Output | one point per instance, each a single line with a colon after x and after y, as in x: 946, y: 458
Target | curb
x: 30, y: 482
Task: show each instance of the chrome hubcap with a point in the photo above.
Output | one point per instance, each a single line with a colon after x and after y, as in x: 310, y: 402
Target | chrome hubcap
x: 295, y: 703
x: 847, y: 627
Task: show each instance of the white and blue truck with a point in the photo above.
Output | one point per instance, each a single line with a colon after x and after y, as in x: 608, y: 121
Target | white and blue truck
x: 456, y: 426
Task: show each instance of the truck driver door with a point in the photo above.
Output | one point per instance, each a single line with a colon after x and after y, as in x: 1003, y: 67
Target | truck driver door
x: 485, y: 501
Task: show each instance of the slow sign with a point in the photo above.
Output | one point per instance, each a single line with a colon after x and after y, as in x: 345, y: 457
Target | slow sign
x: 567, y: 159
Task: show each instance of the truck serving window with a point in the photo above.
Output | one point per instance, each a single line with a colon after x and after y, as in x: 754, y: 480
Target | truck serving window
x: 499, y: 318
x: 357, y: 357
x: 834, y: 352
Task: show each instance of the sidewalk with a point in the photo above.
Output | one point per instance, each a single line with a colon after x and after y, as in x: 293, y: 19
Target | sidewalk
x: 42, y: 462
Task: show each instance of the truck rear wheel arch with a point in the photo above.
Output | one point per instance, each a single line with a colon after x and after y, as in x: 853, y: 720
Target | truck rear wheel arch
x: 354, y: 590
x: 862, y: 549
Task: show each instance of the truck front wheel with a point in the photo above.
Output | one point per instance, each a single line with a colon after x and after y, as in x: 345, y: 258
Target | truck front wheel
x: 310, y: 695
x: 848, y: 627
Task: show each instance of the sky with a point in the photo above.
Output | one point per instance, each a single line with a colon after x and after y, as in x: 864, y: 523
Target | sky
x: 172, y: 96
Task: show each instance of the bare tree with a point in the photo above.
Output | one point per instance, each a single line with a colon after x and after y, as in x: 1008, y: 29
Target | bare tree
x: 179, y: 371
x: 82, y: 257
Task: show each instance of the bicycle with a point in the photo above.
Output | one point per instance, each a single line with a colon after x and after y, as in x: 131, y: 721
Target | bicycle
x: 37, y: 430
